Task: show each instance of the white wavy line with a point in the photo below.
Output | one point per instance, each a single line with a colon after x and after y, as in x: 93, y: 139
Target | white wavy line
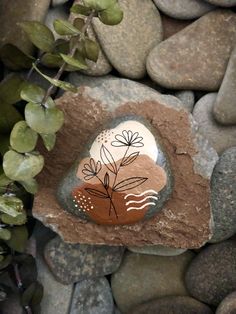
x: 144, y: 199
x: 150, y: 203
x: 141, y: 194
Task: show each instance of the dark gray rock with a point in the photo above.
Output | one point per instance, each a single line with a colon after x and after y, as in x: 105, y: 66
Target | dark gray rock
x: 228, y: 305
x: 156, y: 250
x: 185, y: 60
x: 142, y: 278
x: 223, y: 3
x: 92, y: 296
x: 211, y: 275
x: 184, y: 9
x: 173, y: 305
x: 127, y: 44
x: 187, y: 98
x: 225, y: 108
x: 58, y: 2
x: 71, y: 263
x: 220, y: 137
x: 223, y: 196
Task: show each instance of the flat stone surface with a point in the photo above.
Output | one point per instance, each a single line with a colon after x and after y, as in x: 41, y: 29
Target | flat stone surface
x: 71, y: 263
x: 172, y: 26
x: 223, y: 196
x: 187, y: 97
x: 219, y: 136
x: 223, y: 3
x: 172, y: 304
x: 185, y: 60
x: 14, y: 12
x: 142, y: 278
x: 92, y: 296
x: 184, y: 9
x: 127, y: 44
x: 225, y: 108
x: 185, y: 219
x: 228, y: 305
x: 156, y: 250
x: 211, y: 275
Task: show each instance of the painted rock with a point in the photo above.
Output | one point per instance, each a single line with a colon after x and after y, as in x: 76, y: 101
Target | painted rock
x: 122, y: 177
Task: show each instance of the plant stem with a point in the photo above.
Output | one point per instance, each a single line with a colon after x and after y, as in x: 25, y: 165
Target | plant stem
x: 17, y: 276
x: 50, y: 90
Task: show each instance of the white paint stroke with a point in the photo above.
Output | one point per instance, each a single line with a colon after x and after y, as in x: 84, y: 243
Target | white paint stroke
x: 144, y: 199
x: 141, y: 194
x: 138, y: 208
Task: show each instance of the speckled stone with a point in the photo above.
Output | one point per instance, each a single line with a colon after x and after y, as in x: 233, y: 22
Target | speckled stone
x: 127, y: 44
x: 223, y: 196
x: 228, y: 305
x: 184, y: 9
x: 211, y: 275
x: 142, y: 278
x: 220, y: 137
x: 71, y: 263
x: 223, y: 3
x: 174, y: 305
x: 92, y: 296
x: 156, y: 250
x: 13, y: 12
x: 185, y: 60
x: 225, y: 107
x: 187, y: 97
x: 172, y: 26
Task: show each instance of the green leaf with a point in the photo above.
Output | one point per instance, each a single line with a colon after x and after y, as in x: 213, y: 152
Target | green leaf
x: 11, y: 205
x: 99, y: 5
x: 7, y: 260
x: 23, y: 139
x: 80, y: 9
x: 79, y: 23
x: 49, y: 140
x: 4, y: 143
x: 8, y: 117
x: 15, y: 59
x: 52, y: 60
x: 5, y: 234
x: 92, y: 49
x: 63, y: 27
x: 39, y: 34
x: 43, y: 120
x: 22, y: 167
x: 10, y: 88
x: 18, y: 220
x: 75, y: 62
x: 31, y: 185
x: 4, y: 180
x: 18, y: 240
x: 32, y: 295
x: 58, y: 83
x: 62, y: 46
x: 111, y: 16
x: 34, y: 93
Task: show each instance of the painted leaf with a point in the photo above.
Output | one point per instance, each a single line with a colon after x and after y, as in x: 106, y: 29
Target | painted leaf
x: 39, y: 34
x: 96, y: 193
x: 10, y: 88
x: 49, y: 140
x: 15, y: 59
x: 91, y: 49
x: 23, y: 139
x: 129, y: 184
x: 108, y: 159
x: 80, y: 9
x: 18, y: 240
x: 75, y: 62
x: 106, y: 181
x: 111, y: 16
x: 129, y: 159
x: 63, y: 27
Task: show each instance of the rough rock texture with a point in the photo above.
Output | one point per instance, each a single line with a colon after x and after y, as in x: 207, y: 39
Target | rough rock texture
x: 219, y: 136
x: 127, y: 44
x: 187, y: 97
x: 185, y: 60
x: 223, y: 3
x: 228, y: 305
x: 71, y: 263
x: 13, y: 12
x: 172, y: 26
x: 184, y: 9
x: 211, y: 275
x: 225, y: 107
x: 223, y: 196
x: 185, y: 219
x: 92, y: 296
x: 174, y: 305
x: 156, y: 250
x: 141, y: 278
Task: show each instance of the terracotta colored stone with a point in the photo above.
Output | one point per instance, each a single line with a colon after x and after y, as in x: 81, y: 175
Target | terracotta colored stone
x: 185, y: 219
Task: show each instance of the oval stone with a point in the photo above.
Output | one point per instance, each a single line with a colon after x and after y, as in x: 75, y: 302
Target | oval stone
x: 122, y: 177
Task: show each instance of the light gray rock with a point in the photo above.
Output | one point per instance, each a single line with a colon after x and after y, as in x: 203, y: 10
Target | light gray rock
x: 223, y: 3
x: 228, y: 305
x: 55, y: 13
x: 187, y: 97
x: 184, y: 60
x: 71, y: 263
x: 55, y: 3
x: 156, y: 250
x: 127, y: 44
x: 220, y: 137
x: 225, y: 106
x: 92, y: 296
x: 184, y: 9
x: 223, y: 196
x: 211, y: 275
x: 141, y: 278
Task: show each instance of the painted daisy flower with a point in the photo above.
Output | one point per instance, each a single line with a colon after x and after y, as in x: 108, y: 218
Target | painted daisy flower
x: 128, y: 138
x: 91, y: 169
